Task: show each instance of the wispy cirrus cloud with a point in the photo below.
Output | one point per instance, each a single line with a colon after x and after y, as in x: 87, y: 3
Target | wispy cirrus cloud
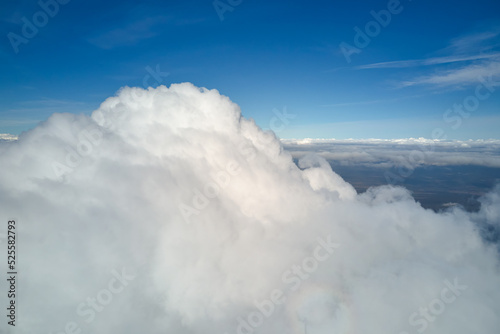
x: 474, y: 56
x: 428, y: 61
x: 477, y: 42
x: 462, y: 76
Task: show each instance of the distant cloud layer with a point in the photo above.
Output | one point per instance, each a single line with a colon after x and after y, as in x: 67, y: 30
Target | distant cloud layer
x: 390, y: 152
x: 7, y: 137
x: 166, y: 211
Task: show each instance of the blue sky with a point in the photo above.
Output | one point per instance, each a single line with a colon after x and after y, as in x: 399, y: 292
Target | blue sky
x: 402, y: 79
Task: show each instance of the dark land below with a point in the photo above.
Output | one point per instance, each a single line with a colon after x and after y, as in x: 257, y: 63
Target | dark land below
x: 435, y: 187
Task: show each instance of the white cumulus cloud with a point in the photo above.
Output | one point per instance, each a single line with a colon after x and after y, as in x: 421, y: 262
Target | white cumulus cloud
x: 166, y: 211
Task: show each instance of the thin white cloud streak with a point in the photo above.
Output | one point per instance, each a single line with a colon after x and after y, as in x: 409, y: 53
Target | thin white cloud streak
x: 477, y: 49
x: 467, y: 75
x: 465, y: 48
x: 428, y: 61
x: 118, y: 206
x: 476, y: 42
